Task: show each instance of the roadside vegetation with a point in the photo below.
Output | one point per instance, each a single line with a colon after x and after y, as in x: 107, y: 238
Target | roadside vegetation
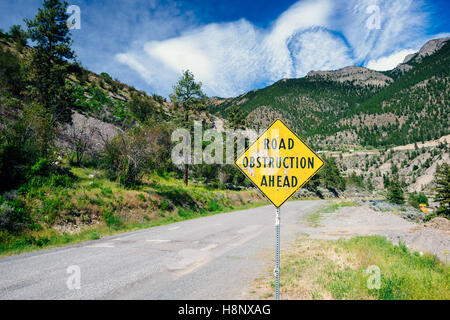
x: 58, y: 210
x: 344, y: 269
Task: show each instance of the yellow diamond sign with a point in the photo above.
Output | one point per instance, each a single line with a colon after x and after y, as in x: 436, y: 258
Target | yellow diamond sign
x: 279, y: 163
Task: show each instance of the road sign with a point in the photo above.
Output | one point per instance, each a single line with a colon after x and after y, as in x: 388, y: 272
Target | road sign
x: 279, y: 163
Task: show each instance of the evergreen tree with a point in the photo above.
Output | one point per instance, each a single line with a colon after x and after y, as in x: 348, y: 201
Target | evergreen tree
x: 48, y: 67
x: 142, y: 108
x: 442, y: 180
x: 329, y: 177
x: 19, y: 36
x: 236, y: 117
x: 11, y: 77
x: 395, y: 192
x: 188, y: 95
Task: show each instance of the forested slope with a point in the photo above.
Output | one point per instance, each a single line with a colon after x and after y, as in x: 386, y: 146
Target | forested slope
x: 355, y: 106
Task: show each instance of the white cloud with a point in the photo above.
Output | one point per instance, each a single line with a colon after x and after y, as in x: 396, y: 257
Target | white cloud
x: 389, y: 62
x: 317, y: 49
x: 402, y: 23
x: 235, y: 57
x: 301, y: 16
x: 215, y: 54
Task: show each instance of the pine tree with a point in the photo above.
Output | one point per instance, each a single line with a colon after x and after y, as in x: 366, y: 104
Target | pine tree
x: 442, y: 180
x: 48, y: 67
x: 19, y: 36
x: 188, y: 95
x: 236, y: 117
x: 395, y: 192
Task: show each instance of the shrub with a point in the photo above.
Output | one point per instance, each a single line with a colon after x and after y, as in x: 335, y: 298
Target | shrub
x: 415, y: 199
x: 112, y: 220
x: 106, y: 76
x: 185, y: 213
x: 158, y: 98
x: 142, y: 107
x: 177, y: 196
x: 13, y: 215
x: 357, y: 180
x: 23, y: 143
x: 232, y: 178
x: 165, y: 205
x: 213, y: 206
x: 19, y: 36
x: 10, y: 73
x: 130, y: 155
x: 41, y: 168
x: 209, y: 174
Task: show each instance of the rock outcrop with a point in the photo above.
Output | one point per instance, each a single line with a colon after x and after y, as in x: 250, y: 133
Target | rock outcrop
x: 357, y: 75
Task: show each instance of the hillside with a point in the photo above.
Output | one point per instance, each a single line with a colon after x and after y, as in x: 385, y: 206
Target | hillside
x: 413, y: 164
x: 102, y: 106
x: 355, y: 106
x: 105, y: 171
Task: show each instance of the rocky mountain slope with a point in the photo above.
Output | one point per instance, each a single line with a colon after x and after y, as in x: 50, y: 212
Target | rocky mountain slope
x: 355, y: 106
x: 428, y: 49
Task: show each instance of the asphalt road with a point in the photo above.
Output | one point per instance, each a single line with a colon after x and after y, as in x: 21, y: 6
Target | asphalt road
x: 214, y: 257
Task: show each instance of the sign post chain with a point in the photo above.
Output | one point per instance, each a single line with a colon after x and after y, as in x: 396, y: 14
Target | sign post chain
x: 277, y: 256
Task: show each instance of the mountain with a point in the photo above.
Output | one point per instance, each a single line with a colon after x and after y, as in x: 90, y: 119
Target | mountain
x: 356, y: 106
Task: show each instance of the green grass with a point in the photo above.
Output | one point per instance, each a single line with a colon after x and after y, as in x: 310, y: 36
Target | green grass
x: 334, y: 206
x: 404, y: 275
x: 90, y: 197
x: 326, y: 269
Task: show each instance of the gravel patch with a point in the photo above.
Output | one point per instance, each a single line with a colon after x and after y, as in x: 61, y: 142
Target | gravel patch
x: 362, y: 221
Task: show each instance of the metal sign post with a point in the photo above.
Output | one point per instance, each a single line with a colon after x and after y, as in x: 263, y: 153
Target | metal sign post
x: 277, y: 255
x: 279, y: 163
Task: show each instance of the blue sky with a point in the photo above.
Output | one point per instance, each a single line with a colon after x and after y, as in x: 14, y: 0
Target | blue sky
x: 234, y: 46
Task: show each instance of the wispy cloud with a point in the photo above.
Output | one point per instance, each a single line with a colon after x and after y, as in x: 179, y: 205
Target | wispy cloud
x: 231, y: 58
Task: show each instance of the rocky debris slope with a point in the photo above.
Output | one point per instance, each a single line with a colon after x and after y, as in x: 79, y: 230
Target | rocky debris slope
x: 406, y: 212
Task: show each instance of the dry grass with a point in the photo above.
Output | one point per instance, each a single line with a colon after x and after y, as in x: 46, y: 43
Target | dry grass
x: 300, y: 267
x: 324, y: 269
